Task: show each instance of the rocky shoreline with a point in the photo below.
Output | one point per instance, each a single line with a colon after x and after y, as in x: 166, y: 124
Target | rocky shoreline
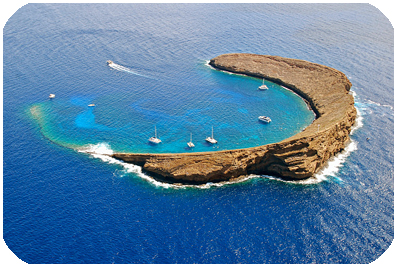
x: 325, y: 89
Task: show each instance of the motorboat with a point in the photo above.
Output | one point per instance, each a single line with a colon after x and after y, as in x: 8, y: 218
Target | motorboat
x: 52, y: 96
x: 109, y: 62
x: 263, y: 86
x: 154, y: 139
x: 211, y: 139
x: 264, y: 119
x: 91, y: 105
x: 190, y: 144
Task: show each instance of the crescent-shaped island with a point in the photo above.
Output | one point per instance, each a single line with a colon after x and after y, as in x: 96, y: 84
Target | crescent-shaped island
x: 325, y: 89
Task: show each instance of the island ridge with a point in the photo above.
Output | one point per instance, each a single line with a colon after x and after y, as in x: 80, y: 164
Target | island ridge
x: 325, y: 89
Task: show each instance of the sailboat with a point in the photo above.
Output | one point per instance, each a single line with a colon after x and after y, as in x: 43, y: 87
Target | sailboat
x: 190, y: 144
x: 263, y: 86
x: 155, y: 139
x: 211, y: 139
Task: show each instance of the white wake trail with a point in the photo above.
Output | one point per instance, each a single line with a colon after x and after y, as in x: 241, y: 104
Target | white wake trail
x: 121, y: 68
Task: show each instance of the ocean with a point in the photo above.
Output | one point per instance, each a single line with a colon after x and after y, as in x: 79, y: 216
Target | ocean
x: 67, y: 202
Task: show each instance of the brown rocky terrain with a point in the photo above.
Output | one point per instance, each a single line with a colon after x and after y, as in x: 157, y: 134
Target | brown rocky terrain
x: 298, y: 157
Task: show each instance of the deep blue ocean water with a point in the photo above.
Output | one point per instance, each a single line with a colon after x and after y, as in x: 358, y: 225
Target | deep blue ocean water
x: 65, y: 202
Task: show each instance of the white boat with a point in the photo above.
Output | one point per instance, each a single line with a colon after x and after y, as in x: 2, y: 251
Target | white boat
x: 52, y: 96
x: 263, y: 86
x: 91, y: 105
x: 264, y: 119
x: 190, y: 144
x: 211, y: 139
x: 155, y: 139
x: 109, y: 62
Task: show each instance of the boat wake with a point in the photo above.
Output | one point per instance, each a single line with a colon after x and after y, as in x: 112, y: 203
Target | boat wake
x: 124, y: 69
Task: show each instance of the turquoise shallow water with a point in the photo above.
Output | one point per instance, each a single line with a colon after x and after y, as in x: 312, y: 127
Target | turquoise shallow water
x: 126, y: 113
x: 62, y: 205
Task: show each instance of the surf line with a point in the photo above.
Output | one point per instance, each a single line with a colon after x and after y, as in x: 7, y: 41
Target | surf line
x: 103, y: 152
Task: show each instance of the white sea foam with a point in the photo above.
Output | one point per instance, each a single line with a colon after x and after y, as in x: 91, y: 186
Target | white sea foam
x: 380, y: 105
x: 207, y: 63
x: 335, y: 163
x: 104, y: 152
x: 359, y: 120
x: 311, y: 180
x: 207, y: 185
x: 329, y: 170
x: 100, y: 149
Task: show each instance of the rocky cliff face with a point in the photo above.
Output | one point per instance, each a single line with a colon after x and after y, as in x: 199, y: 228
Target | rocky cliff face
x: 298, y: 157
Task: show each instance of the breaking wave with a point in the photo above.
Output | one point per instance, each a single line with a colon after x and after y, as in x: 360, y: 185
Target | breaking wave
x: 328, y: 171
x: 335, y: 163
x: 308, y: 181
x: 207, y: 63
x: 381, y: 105
x: 103, y: 151
x: 100, y: 149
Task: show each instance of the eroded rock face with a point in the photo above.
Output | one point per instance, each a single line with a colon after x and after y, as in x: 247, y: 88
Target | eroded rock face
x: 298, y: 157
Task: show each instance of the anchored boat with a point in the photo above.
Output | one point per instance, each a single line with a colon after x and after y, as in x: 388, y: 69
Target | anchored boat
x: 264, y: 119
x: 263, y: 86
x: 211, y: 139
x: 190, y: 144
x: 154, y: 139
